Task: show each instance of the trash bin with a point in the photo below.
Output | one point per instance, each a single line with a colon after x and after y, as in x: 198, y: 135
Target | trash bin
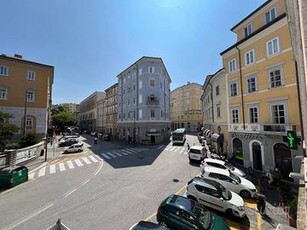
x: 260, y: 199
x: 12, y: 176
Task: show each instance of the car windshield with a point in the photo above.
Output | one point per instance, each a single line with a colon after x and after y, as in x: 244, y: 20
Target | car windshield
x: 203, y: 215
x: 235, y: 178
x: 229, y: 166
x: 226, y: 194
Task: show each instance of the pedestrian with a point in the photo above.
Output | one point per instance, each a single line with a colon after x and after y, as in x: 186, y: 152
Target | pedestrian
x: 276, y: 177
x: 188, y: 146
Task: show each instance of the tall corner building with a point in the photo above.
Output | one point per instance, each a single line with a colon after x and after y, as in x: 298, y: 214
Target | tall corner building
x: 262, y: 91
x: 144, y: 102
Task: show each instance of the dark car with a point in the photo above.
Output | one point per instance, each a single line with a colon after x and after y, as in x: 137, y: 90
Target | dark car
x: 68, y: 142
x: 145, y: 225
x: 179, y: 212
x: 106, y: 137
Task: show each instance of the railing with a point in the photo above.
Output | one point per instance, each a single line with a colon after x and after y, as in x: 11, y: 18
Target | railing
x: 274, y: 128
x: 152, y: 101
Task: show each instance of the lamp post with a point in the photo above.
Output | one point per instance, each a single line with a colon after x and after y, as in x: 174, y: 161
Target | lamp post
x: 25, y: 113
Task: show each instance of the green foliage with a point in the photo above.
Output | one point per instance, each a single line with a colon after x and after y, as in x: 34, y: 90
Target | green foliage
x: 293, y: 208
x: 12, y: 146
x: 29, y: 139
x: 62, y: 119
x: 7, y: 130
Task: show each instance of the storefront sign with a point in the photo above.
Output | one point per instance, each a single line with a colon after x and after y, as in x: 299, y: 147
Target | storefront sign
x: 247, y: 136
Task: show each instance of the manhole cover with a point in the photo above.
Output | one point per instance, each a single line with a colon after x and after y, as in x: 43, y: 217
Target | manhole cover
x: 175, y: 180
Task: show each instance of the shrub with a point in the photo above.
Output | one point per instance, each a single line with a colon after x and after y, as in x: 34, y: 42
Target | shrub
x: 29, y: 139
x: 293, y: 208
x: 12, y: 146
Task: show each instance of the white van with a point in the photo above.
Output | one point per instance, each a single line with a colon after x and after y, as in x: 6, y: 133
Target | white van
x: 197, y: 153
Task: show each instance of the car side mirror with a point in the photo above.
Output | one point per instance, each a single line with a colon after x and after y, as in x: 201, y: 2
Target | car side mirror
x: 221, y: 199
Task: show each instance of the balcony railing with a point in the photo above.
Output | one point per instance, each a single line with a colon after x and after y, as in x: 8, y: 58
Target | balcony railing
x: 274, y: 128
x: 152, y: 101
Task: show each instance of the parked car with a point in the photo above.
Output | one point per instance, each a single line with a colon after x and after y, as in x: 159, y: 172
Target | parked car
x: 68, y: 142
x: 222, y: 165
x: 229, y: 180
x: 145, y: 225
x: 197, y: 153
x: 65, y: 138
x: 106, y: 137
x: 74, y: 148
x: 178, y: 212
x: 214, y: 195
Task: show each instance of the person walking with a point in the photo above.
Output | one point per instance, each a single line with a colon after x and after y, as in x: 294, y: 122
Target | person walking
x: 188, y: 147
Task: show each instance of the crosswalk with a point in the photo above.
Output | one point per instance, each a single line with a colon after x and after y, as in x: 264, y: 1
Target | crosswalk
x: 108, y: 155
x: 63, y: 166
x: 173, y: 148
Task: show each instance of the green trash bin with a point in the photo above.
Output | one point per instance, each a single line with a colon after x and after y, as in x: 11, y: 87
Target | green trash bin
x: 12, y: 176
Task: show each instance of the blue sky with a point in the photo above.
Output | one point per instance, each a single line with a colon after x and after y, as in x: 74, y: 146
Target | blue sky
x: 89, y: 42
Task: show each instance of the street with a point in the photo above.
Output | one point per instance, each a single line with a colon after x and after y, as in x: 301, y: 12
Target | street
x: 107, y: 186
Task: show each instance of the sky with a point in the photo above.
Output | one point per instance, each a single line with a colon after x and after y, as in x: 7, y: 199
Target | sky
x: 89, y: 42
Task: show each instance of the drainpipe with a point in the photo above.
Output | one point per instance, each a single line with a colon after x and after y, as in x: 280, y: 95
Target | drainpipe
x: 212, y: 107
x: 241, y: 88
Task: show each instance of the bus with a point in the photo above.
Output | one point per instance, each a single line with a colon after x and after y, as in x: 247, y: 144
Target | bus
x: 178, y: 136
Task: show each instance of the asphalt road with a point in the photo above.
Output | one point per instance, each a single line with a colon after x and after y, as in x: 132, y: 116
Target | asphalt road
x: 107, y: 186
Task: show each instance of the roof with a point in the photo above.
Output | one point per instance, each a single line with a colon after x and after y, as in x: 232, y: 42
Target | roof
x: 216, y: 170
x: 215, y: 160
x: 21, y: 60
x: 209, y: 183
x: 199, y: 147
x: 180, y: 201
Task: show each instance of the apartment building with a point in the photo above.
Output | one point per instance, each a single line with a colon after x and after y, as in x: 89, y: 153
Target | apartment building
x: 215, y: 110
x: 111, y: 110
x: 101, y: 114
x: 26, y: 92
x: 73, y: 107
x: 144, y: 101
x: 88, y: 112
x: 262, y: 91
x: 186, y: 107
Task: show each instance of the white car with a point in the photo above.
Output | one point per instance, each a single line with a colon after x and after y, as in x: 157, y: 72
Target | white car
x: 209, y: 162
x: 214, y: 195
x: 197, y: 153
x: 229, y: 180
x: 74, y: 148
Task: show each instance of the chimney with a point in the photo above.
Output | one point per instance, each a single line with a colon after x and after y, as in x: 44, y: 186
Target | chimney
x: 18, y: 56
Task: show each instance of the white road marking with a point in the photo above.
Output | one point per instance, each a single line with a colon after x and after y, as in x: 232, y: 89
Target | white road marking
x: 160, y: 147
x: 116, y: 153
x: 105, y: 156
x: 52, y: 169
x: 127, y: 151
x: 182, y: 150
x: 93, y: 159
x: 70, y: 165
x: 42, y: 172
x: 62, y: 167
x: 110, y: 154
x: 124, y: 153
x: 78, y: 162
x: 86, y: 160
x: 31, y: 176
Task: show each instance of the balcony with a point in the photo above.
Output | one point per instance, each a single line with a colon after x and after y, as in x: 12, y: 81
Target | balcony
x: 274, y: 128
x: 152, y: 101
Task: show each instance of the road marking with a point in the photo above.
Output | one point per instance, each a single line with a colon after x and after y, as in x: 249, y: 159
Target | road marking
x: 52, y: 169
x: 160, y: 147
x: 31, y: 176
x: 127, y: 151
x: 93, y: 159
x: 42, y: 172
x: 110, y: 154
x: 124, y: 153
x: 105, y: 156
x: 62, y: 167
x: 70, y: 192
x: 27, y: 218
x: 172, y: 148
x: 86, y: 160
x: 182, y: 150
x: 70, y: 165
x: 78, y: 162
x: 116, y: 153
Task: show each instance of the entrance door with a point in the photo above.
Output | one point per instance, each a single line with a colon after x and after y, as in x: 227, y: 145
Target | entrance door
x: 283, y: 160
x: 257, y: 158
x: 152, y: 139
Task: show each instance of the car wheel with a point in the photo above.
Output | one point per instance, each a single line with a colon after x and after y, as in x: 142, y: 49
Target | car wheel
x: 232, y: 213
x: 66, y: 152
x: 79, y: 150
x: 245, y: 194
x: 192, y: 198
x: 163, y: 223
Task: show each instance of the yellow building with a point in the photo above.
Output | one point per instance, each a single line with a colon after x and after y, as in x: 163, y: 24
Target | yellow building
x: 262, y: 91
x: 26, y: 91
x: 186, y: 107
x: 111, y: 110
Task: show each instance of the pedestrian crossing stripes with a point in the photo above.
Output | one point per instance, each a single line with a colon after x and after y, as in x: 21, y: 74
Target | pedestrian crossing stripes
x: 177, y: 149
x: 63, y: 166
x: 121, y: 152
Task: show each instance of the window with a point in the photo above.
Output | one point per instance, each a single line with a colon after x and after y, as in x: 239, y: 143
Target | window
x: 140, y: 99
x: 151, y: 69
x: 152, y: 82
x: 248, y: 30
x: 133, y: 87
x: 128, y: 102
x: 217, y: 90
x: 152, y: 114
x: 275, y: 77
x: 29, y: 123
x: 278, y: 114
x: 251, y: 83
x: 253, y: 115
x: 134, y: 100
x: 235, y: 115
x: 140, y: 114
x: 4, y: 71
x: 272, y: 47
x: 233, y: 89
x: 270, y: 15
x: 249, y: 57
x: 232, y: 66
x: 218, y: 111
x: 161, y: 113
x: 140, y: 71
x: 140, y: 84
x: 161, y: 85
x: 3, y: 93
x: 30, y: 96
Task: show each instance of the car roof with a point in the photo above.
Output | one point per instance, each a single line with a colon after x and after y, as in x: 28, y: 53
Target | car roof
x: 216, y: 170
x: 215, y: 161
x: 198, y: 147
x: 179, y: 202
x: 206, y: 182
x: 145, y: 225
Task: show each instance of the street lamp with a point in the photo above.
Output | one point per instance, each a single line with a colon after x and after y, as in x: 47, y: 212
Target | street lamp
x: 25, y: 113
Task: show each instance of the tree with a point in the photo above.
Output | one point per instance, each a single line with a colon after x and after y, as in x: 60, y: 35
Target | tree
x: 7, y: 130
x: 62, y: 118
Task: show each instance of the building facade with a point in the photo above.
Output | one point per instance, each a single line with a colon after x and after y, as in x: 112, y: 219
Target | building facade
x: 144, y: 102
x: 101, y: 114
x: 111, y: 110
x: 262, y: 91
x: 73, y: 107
x: 88, y: 112
x: 186, y: 107
x: 26, y: 92
x: 215, y: 111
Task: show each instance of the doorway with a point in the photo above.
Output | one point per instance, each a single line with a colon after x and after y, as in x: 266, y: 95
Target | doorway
x: 283, y: 160
x: 257, y: 158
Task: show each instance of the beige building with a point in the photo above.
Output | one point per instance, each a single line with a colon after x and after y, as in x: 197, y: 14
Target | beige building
x: 111, y: 95
x: 262, y: 91
x: 186, y: 109
x: 73, y: 107
x: 88, y: 112
x: 26, y: 92
x: 215, y: 111
x: 101, y: 114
